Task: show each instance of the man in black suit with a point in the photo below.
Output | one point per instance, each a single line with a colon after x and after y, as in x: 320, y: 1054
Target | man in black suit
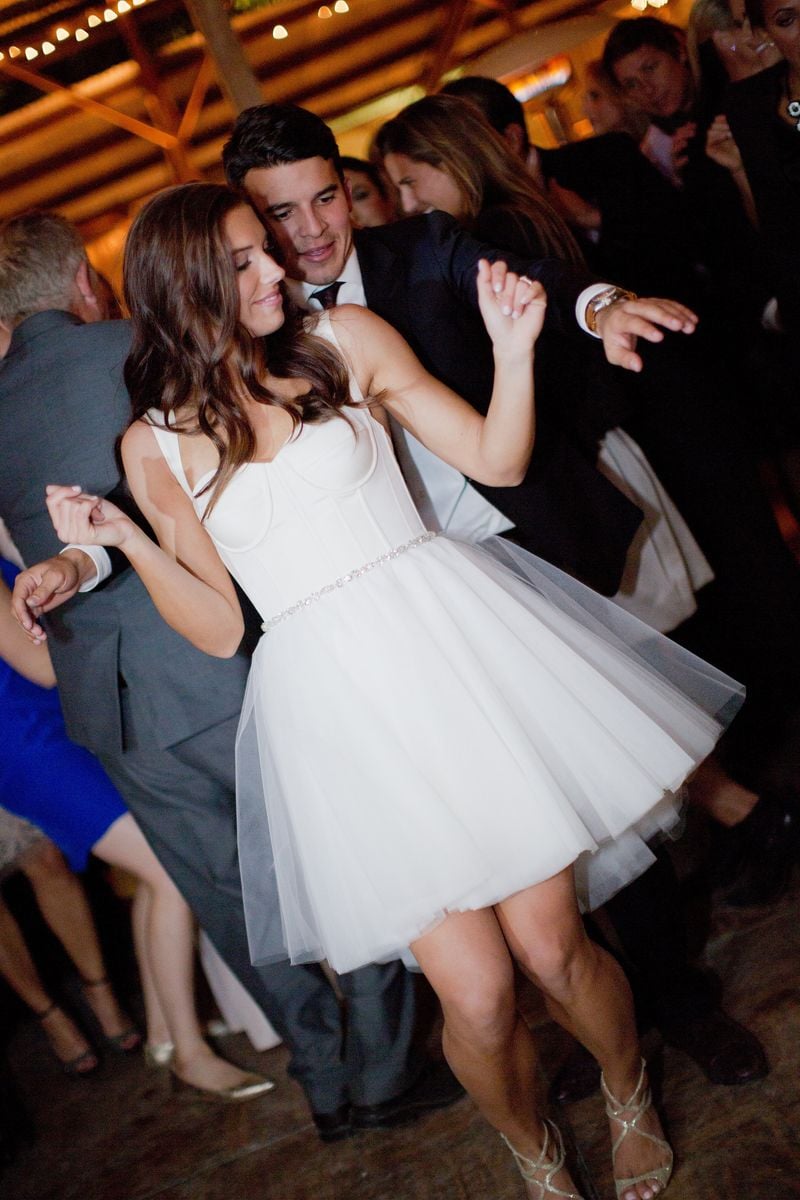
x: 419, y: 274
x: 160, y: 715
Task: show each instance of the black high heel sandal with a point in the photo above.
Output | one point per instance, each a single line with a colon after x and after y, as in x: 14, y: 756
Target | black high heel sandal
x: 85, y: 1063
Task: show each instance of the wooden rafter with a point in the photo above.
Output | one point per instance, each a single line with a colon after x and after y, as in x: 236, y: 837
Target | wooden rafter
x: 159, y: 102
x: 167, y: 141
x: 458, y: 13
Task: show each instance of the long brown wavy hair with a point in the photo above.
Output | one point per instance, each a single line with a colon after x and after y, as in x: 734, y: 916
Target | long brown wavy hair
x: 452, y: 134
x: 189, y: 349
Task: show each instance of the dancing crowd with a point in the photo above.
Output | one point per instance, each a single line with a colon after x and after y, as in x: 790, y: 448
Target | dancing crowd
x: 383, y: 588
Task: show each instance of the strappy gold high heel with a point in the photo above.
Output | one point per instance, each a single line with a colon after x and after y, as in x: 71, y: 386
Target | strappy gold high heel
x: 540, y: 1171
x: 638, y: 1104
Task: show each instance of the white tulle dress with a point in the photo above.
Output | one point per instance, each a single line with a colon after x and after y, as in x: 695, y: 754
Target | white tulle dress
x: 430, y: 726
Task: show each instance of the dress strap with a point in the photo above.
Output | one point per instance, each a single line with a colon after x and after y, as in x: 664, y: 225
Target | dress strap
x: 169, y: 446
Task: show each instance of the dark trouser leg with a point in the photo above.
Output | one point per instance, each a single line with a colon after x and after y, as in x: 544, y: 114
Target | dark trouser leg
x: 381, y: 1012
x: 184, y: 800
x: 649, y: 921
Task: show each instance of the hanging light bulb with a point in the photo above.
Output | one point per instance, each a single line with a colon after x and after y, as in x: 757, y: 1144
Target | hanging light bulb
x: 279, y: 31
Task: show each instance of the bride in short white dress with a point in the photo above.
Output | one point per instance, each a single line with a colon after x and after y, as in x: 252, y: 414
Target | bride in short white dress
x: 433, y: 732
x: 429, y: 728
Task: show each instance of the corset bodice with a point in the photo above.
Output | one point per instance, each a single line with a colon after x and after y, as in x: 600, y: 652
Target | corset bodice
x: 332, y: 500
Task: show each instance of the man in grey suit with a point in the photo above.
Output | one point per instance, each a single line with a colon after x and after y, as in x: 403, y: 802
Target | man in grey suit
x: 159, y: 714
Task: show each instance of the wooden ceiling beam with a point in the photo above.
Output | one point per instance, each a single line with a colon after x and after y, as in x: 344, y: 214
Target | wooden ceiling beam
x: 159, y: 101
x: 459, y: 11
x: 167, y: 141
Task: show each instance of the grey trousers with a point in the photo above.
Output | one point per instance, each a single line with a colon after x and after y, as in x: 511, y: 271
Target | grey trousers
x: 184, y: 801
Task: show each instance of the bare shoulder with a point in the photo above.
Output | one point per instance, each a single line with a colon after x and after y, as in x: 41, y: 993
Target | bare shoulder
x: 138, y: 440
x: 361, y: 333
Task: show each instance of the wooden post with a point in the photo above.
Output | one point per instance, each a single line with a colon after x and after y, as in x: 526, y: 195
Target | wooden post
x: 235, y: 75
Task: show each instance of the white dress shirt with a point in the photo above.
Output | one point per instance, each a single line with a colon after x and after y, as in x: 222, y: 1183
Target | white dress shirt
x: 445, y: 500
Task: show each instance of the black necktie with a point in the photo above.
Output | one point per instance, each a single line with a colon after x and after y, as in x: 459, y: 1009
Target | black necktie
x: 327, y: 295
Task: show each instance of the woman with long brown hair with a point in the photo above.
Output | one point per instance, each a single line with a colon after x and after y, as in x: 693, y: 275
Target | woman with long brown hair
x: 428, y: 743
x: 441, y: 152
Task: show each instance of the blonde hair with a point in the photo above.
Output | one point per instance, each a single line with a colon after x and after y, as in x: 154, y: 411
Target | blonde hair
x: 452, y: 134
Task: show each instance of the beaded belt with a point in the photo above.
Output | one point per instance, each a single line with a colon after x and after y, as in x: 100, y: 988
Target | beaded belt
x: 348, y: 578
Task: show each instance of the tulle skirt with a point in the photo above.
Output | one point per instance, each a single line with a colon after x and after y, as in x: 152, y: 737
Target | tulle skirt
x: 454, y: 726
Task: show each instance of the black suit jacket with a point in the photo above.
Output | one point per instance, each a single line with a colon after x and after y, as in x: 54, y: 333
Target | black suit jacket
x: 420, y: 275
x: 62, y: 405
x: 770, y: 151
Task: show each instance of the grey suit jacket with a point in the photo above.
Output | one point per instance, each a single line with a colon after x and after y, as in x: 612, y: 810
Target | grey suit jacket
x: 63, y: 404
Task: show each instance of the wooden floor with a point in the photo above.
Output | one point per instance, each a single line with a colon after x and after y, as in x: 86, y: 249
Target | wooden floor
x: 124, y: 1135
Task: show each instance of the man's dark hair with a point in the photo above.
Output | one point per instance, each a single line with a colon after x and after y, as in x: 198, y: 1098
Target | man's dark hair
x: 364, y: 167
x: 497, y: 102
x: 755, y: 12
x: 271, y: 135
x: 632, y: 34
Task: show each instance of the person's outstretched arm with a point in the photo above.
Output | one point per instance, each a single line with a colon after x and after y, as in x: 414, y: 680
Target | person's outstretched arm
x: 495, y: 449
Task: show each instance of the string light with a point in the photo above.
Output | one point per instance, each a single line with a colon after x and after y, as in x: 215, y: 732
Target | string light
x: 341, y: 6
x: 81, y: 35
x: 47, y: 48
x: 31, y: 52
x: 123, y: 6
x: 93, y: 21
x: 324, y: 13
x: 279, y: 31
x: 62, y: 34
x: 14, y: 52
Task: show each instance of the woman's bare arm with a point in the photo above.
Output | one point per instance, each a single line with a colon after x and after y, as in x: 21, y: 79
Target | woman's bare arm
x: 18, y: 651
x: 494, y: 449
x: 184, y: 575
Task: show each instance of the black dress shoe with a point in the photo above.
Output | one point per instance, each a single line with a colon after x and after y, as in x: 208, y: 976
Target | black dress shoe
x: 334, y: 1126
x: 576, y: 1078
x: 760, y: 852
x: 724, y: 1050
x: 436, y: 1087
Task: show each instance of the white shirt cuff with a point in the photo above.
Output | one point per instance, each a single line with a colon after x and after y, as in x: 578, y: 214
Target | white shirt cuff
x: 586, y: 295
x: 102, y: 565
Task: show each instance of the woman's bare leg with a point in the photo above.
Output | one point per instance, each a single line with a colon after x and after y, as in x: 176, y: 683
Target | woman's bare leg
x: 18, y: 969
x: 487, y: 1044
x: 726, y: 801
x: 64, y: 905
x: 168, y: 949
x: 587, y: 993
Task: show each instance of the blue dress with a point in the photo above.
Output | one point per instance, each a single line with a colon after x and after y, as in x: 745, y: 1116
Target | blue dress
x: 44, y: 777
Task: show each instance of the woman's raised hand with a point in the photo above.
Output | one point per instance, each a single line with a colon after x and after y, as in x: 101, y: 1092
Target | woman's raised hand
x: 86, y: 520
x: 512, y: 307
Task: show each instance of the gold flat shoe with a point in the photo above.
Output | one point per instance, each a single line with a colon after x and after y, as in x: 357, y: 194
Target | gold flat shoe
x: 251, y: 1087
x: 158, y: 1054
x: 638, y: 1104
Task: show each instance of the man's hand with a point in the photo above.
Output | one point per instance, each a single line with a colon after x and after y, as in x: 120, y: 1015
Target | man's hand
x: 622, y: 323
x: 46, y: 586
